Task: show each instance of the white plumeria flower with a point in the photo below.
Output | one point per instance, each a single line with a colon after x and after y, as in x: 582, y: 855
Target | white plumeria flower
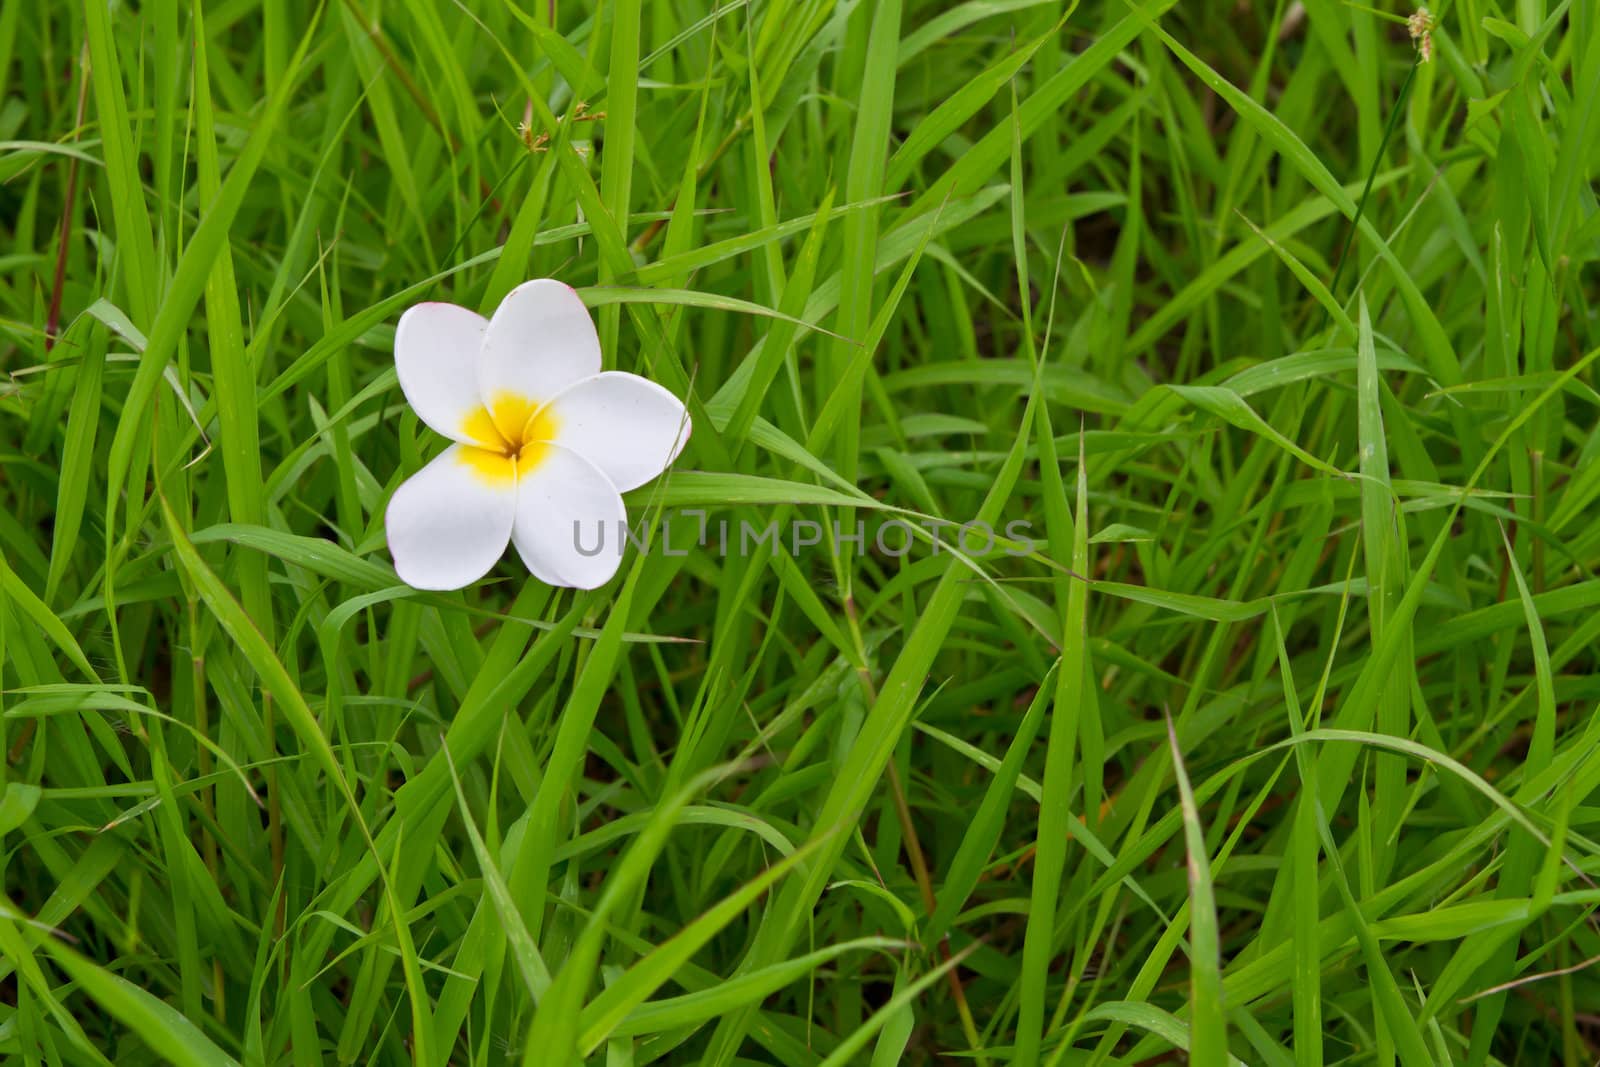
x: 545, y: 442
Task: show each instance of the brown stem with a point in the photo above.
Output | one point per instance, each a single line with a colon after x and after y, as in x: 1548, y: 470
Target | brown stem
x: 52, y: 320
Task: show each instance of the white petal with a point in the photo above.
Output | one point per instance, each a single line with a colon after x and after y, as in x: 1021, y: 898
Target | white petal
x: 539, y: 341
x: 628, y: 426
x: 569, y: 520
x: 449, y: 522
x: 436, y: 357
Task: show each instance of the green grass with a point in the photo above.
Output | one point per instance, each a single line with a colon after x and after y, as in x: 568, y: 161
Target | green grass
x: 1279, y: 746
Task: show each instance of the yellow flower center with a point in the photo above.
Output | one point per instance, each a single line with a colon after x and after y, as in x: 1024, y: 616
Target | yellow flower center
x: 515, y: 432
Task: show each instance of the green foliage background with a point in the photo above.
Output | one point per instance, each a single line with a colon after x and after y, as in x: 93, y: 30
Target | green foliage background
x: 1279, y: 748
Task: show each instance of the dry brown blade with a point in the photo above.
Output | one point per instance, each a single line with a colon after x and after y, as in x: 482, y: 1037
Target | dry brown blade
x: 1530, y: 978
